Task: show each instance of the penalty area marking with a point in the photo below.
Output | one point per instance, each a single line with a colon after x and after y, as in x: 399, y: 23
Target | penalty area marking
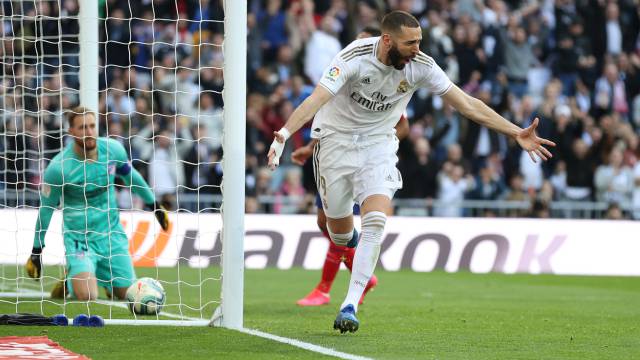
x: 191, y: 321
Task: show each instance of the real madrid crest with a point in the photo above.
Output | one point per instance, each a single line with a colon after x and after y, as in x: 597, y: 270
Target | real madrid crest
x: 403, y: 86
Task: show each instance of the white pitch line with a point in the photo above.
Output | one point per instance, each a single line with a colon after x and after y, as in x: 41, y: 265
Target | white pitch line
x: 304, y: 345
x: 186, y: 320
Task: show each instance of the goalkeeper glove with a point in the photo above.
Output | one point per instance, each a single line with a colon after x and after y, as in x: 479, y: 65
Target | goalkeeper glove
x: 161, y: 215
x: 34, y: 263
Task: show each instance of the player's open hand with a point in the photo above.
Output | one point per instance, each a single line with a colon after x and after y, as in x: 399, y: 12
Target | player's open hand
x: 34, y: 264
x: 275, y: 151
x: 533, y: 144
x: 300, y: 156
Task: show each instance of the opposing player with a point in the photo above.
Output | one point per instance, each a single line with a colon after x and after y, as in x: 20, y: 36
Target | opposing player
x: 359, y: 99
x: 81, y: 178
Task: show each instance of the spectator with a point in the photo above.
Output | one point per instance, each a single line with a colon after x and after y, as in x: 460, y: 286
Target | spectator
x: 292, y: 189
x: 118, y: 38
x: 610, y: 94
x: 209, y: 117
x: 419, y: 172
x: 614, y: 182
x: 119, y: 104
x: 518, y: 58
x: 321, y: 48
x: 272, y: 25
x: 629, y: 69
x: 566, y: 64
x: 165, y: 150
x: 263, y: 188
x: 613, y: 29
x: 614, y: 212
x: 452, y: 186
x: 559, y: 179
x: 487, y: 185
x: 539, y: 210
x: 515, y: 192
x: 584, y: 50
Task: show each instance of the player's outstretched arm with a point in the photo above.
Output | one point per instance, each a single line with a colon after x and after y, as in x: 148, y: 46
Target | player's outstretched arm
x: 132, y: 178
x: 479, y: 112
x: 139, y: 186
x: 50, y: 192
x: 300, y: 116
x: 300, y: 155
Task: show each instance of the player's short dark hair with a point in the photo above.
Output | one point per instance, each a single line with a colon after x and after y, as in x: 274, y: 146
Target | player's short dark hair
x: 77, y: 111
x: 395, y: 20
x: 373, y: 30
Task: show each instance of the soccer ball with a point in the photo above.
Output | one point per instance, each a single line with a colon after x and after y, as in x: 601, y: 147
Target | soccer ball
x: 146, y: 296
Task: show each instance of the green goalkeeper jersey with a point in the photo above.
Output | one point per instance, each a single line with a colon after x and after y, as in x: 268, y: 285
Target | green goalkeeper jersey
x: 86, y: 191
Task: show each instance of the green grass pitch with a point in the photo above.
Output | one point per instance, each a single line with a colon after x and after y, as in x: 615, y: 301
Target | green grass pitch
x: 409, y: 316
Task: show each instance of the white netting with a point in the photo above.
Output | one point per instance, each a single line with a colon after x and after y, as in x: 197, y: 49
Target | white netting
x: 160, y: 97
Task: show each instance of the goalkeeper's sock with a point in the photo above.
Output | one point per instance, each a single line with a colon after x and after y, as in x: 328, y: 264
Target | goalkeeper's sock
x: 366, y: 256
x: 331, y: 266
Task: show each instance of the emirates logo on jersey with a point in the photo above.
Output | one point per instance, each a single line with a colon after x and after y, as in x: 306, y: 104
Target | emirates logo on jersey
x: 376, y: 104
x: 403, y: 87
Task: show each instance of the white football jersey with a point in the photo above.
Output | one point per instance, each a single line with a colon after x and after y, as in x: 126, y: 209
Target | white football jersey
x: 370, y: 96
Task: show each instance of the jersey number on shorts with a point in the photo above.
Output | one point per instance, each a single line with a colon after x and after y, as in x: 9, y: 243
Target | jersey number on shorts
x: 323, y: 185
x: 81, y: 245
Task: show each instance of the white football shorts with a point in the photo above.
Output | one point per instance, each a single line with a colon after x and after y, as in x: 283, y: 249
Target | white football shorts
x: 351, y: 168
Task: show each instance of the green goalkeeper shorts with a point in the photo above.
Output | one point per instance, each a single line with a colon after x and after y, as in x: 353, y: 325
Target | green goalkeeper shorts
x: 109, y: 261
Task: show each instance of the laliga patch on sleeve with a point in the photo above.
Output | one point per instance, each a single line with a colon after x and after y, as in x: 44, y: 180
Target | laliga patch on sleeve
x: 34, y: 347
x: 333, y: 73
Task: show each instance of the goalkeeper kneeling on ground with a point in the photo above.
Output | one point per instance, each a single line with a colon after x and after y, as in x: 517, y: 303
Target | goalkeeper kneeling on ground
x: 81, y: 179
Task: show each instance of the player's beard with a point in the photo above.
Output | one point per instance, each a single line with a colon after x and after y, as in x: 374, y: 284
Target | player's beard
x: 87, y: 144
x: 396, y: 58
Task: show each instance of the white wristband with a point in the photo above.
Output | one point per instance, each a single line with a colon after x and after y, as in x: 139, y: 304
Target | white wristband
x: 285, y: 133
x: 278, y: 147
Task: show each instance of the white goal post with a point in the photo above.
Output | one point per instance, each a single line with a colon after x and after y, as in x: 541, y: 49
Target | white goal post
x: 219, y: 225
x: 235, y: 54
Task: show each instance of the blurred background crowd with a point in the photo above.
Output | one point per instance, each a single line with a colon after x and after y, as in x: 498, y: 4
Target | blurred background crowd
x: 575, y: 65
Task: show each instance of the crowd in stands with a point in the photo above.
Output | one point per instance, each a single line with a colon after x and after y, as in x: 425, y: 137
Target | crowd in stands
x: 574, y: 64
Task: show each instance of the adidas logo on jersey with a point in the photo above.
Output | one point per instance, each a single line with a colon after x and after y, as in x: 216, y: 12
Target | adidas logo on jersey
x: 366, y: 81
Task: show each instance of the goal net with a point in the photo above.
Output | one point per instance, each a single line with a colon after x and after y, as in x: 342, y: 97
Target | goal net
x: 153, y: 74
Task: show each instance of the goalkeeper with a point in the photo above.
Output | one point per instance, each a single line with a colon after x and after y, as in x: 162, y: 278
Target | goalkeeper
x: 81, y: 179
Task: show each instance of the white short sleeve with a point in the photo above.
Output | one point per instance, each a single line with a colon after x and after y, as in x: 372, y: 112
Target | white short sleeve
x: 316, y: 128
x: 435, y: 80
x: 336, y: 75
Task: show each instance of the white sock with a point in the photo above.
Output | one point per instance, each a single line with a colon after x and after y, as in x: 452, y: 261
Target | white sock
x: 366, y: 256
